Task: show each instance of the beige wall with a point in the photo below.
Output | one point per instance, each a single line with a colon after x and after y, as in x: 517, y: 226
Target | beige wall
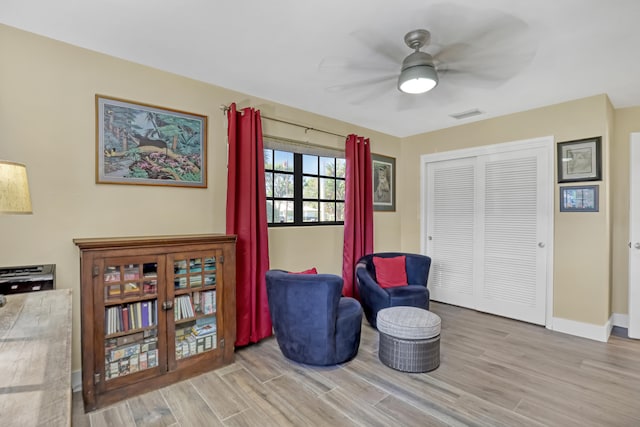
x: 581, y: 242
x: 47, y: 119
x: 627, y: 120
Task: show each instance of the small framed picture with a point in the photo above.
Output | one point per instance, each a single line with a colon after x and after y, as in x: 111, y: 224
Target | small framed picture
x: 580, y: 160
x: 384, y: 183
x: 582, y: 198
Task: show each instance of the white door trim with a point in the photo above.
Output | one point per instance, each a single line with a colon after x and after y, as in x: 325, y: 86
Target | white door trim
x: 544, y: 142
x: 634, y: 236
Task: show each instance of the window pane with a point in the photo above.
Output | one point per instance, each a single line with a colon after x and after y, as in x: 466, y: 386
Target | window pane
x: 339, y: 211
x: 327, y: 166
x: 341, y: 168
x: 309, y: 187
x: 310, y: 211
x: 282, y: 185
x: 327, y: 211
x: 283, y: 210
x: 283, y: 161
x: 268, y: 181
x: 269, y: 211
x: 268, y: 158
x: 310, y: 164
x: 327, y: 188
x: 340, y: 189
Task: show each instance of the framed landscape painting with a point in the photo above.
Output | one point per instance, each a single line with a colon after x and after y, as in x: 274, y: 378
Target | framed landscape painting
x: 384, y: 183
x: 148, y: 145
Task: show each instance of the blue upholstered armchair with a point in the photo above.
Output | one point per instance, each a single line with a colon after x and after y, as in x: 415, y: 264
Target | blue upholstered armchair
x: 375, y: 297
x: 313, y: 324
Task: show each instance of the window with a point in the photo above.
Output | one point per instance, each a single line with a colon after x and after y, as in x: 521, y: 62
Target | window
x: 303, y: 189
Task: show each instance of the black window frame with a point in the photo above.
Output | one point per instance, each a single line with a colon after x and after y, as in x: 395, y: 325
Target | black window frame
x: 298, y: 199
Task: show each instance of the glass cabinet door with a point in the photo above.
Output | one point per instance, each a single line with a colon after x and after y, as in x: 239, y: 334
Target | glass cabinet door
x: 130, y: 316
x: 194, y: 303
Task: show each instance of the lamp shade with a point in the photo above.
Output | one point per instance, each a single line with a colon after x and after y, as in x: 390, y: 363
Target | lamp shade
x: 14, y: 189
x: 418, y: 79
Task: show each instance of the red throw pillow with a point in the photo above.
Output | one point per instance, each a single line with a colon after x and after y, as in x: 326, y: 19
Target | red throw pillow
x: 309, y: 271
x: 390, y: 272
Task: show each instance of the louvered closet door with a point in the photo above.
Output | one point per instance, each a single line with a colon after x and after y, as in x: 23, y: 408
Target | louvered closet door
x: 512, y: 225
x: 450, y: 230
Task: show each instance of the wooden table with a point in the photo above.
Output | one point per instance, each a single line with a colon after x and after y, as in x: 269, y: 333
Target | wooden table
x: 35, y: 359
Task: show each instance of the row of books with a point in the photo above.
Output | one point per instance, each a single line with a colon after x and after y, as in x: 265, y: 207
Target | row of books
x: 131, y: 289
x: 131, y: 272
x: 122, y: 318
x: 182, y: 308
x: 195, y: 266
x: 194, y: 281
x: 134, y: 363
x: 204, y: 302
x: 131, y: 353
x: 196, y: 338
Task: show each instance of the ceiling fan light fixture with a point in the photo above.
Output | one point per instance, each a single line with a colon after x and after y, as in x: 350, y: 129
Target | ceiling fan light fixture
x: 418, y: 79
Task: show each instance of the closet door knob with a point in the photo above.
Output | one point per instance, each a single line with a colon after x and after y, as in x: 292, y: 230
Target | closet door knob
x: 541, y: 245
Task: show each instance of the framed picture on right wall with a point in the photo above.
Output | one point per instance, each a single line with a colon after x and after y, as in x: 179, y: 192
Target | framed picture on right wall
x: 580, y: 160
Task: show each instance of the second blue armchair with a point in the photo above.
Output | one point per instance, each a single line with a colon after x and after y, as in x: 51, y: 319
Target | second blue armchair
x: 375, y: 297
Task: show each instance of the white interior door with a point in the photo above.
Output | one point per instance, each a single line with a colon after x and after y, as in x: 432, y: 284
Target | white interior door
x: 450, y: 232
x: 634, y: 238
x: 512, y: 227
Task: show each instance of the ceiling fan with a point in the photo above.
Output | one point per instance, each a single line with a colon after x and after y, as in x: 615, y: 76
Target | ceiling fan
x: 465, y: 48
x: 418, y: 74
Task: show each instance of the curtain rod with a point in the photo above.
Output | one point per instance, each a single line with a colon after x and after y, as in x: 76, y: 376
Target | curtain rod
x: 224, y: 108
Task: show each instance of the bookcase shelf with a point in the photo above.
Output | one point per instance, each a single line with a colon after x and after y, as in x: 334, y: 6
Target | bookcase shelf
x: 155, y: 310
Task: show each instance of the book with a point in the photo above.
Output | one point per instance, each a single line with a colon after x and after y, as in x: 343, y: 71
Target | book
x: 144, y: 310
x: 125, y: 319
x: 142, y: 361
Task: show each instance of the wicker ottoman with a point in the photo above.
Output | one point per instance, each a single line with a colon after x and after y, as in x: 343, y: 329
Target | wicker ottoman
x: 409, y: 339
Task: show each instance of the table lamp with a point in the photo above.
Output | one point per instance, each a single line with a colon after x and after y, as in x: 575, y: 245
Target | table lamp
x: 14, y: 188
x: 14, y: 193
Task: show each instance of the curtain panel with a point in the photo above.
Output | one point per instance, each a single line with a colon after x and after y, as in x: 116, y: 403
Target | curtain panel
x: 247, y: 218
x: 358, y: 216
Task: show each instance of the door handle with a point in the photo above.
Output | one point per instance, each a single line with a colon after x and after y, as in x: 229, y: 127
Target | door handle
x: 637, y: 246
x: 541, y: 245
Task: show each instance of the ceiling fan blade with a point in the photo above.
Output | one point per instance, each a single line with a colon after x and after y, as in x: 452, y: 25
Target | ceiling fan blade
x: 341, y: 64
x: 495, y: 46
x: 392, y: 50
x: 361, y: 83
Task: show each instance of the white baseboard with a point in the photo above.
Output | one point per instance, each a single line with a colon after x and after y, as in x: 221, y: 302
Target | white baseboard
x: 585, y: 330
x: 621, y: 320
x: 76, y: 381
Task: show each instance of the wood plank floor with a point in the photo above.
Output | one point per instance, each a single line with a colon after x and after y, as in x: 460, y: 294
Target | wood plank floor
x: 493, y: 372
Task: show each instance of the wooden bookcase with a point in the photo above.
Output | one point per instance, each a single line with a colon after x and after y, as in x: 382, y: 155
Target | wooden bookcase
x: 155, y: 310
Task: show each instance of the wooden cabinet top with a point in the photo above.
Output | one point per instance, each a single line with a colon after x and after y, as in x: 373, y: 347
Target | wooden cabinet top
x: 146, y: 241
x: 35, y: 343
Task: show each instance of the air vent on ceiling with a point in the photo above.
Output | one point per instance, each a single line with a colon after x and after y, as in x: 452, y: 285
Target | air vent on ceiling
x: 466, y: 114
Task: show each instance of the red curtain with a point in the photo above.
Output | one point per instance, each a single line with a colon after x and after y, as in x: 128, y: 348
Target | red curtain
x: 358, y: 215
x: 247, y: 218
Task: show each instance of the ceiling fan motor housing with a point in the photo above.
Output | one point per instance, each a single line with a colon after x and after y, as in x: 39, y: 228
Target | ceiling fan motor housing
x: 418, y: 65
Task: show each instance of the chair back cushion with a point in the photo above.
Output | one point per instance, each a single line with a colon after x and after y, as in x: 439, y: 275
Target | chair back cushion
x: 417, y: 266
x: 391, y: 272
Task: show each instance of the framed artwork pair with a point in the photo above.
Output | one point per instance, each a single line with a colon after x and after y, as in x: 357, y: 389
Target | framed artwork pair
x: 579, y: 161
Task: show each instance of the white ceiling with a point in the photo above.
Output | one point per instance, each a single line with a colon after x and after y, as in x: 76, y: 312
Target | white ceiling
x: 299, y: 53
